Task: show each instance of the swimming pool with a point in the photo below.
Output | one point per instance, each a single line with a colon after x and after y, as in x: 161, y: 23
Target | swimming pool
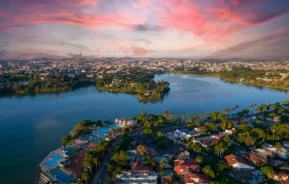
x: 102, y: 131
x: 61, y: 175
x: 53, y: 162
x: 91, y: 138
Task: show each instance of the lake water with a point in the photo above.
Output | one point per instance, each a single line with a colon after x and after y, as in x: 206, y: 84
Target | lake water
x: 32, y: 126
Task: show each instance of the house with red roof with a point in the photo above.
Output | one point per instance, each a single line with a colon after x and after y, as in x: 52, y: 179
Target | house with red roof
x: 281, y: 176
x: 238, y: 162
x: 256, y: 159
x: 196, y: 178
x: 138, y: 166
x: 186, y: 166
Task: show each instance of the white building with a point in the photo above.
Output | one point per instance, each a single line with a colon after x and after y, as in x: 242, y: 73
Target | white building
x: 137, y: 177
x: 125, y: 122
x: 282, y: 153
x: 180, y: 134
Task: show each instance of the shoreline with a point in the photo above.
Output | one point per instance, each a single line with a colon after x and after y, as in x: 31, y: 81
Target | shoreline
x: 283, y: 89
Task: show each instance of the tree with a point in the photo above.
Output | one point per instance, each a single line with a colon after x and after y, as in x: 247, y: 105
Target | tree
x: 66, y: 140
x: 278, y: 145
x: 123, y: 132
x: 183, y: 117
x: 85, y: 177
x: 147, y: 131
x: 163, y: 145
x: 175, y: 177
x: 249, y: 140
x: 121, y: 158
x: 160, y: 134
x: 142, y: 150
x: 220, y: 149
x: 89, y: 160
x: 199, y: 159
x: 227, y: 140
x: 208, y: 170
x: 195, y: 147
x: 162, y: 164
x: 268, y: 171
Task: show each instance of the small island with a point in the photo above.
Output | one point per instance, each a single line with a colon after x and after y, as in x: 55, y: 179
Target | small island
x: 134, y: 82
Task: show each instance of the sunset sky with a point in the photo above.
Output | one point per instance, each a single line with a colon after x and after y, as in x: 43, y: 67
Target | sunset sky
x: 144, y: 28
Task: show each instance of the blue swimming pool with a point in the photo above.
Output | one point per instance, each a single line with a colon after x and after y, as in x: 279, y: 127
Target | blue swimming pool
x: 53, y: 162
x: 61, y: 175
x: 57, y: 157
x: 102, y: 131
x: 91, y: 138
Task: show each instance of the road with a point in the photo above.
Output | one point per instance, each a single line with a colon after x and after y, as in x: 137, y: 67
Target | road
x: 101, y: 174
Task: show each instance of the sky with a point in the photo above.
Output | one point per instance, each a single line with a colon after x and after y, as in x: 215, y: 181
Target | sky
x: 220, y: 29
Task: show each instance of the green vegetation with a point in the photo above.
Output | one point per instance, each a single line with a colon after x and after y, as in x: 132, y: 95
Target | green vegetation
x: 275, y: 79
x: 134, y: 82
x: 22, y: 83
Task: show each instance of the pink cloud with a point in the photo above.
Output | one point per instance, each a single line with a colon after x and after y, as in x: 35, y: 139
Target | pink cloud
x: 135, y: 50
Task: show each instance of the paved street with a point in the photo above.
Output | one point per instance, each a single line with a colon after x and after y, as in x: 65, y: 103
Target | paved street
x: 101, y: 174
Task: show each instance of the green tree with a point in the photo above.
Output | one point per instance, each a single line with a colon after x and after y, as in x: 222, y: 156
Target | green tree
x: 160, y: 134
x: 278, y: 145
x: 66, y: 140
x: 199, y: 159
x: 268, y: 171
x: 209, y: 171
x: 147, y: 131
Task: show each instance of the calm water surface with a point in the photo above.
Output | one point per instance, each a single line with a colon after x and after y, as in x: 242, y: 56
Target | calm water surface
x: 32, y: 126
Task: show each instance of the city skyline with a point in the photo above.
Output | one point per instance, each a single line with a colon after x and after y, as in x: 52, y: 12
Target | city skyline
x: 256, y: 29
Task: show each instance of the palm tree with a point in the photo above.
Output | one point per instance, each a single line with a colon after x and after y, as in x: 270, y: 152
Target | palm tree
x: 199, y: 159
x: 183, y: 116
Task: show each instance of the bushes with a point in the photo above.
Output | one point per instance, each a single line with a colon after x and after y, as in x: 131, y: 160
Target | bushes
x: 163, y: 145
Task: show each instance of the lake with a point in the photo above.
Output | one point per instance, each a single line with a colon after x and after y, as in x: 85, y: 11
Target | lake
x: 32, y: 126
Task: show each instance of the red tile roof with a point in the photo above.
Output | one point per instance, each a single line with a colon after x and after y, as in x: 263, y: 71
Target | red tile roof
x: 185, y: 166
x: 196, y: 178
x: 234, y: 159
x: 138, y: 166
x: 256, y: 158
x: 166, y: 179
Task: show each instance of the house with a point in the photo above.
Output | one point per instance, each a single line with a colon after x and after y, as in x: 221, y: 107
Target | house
x: 208, y: 140
x: 263, y: 153
x: 286, y: 144
x: 194, y: 133
x: 138, y: 166
x: 196, y: 178
x: 186, y: 166
x: 230, y: 131
x: 198, y: 129
x: 256, y: 159
x: 238, y: 162
x: 148, y: 177
x: 166, y: 180
x: 281, y: 176
x: 282, y: 153
x: 125, y: 122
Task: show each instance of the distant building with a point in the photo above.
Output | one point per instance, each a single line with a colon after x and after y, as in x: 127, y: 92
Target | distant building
x: 125, y: 122
x: 137, y: 177
x: 238, y: 162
